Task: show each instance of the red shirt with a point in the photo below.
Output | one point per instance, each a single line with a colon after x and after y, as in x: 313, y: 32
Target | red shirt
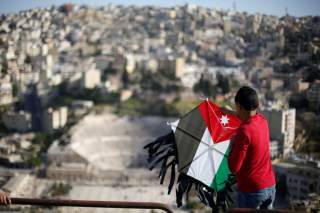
x: 249, y: 157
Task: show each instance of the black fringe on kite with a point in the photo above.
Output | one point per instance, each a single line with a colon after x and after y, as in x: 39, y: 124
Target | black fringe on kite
x: 163, y: 150
x: 218, y: 201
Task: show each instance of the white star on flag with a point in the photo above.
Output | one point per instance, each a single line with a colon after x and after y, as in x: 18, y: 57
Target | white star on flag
x: 224, y: 120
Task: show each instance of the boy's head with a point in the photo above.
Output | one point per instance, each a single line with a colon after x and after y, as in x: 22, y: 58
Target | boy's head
x: 246, y: 100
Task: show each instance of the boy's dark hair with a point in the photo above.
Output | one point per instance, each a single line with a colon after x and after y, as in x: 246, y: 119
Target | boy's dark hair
x: 247, y: 98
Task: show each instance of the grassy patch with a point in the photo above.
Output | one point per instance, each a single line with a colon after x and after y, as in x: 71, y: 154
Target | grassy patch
x: 138, y: 107
x: 59, y: 189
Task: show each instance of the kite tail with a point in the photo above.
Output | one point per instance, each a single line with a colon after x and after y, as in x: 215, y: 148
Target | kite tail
x: 166, y: 141
x: 218, y: 201
x: 224, y: 199
x: 228, y: 190
x: 204, y: 193
x: 184, y: 185
x: 161, y: 151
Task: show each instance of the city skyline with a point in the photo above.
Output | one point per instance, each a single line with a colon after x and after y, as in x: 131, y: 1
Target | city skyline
x: 292, y: 7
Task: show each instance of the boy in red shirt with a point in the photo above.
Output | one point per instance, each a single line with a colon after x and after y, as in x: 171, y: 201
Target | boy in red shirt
x: 249, y: 157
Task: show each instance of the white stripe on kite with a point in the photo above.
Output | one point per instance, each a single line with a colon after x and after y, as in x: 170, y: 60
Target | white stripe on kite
x: 207, y: 161
x: 201, y: 166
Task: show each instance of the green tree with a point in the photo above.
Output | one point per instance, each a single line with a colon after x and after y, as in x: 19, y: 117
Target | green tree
x: 206, y: 87
x: 14, y: 90
x: 223, y: 83
x: 60, y: 188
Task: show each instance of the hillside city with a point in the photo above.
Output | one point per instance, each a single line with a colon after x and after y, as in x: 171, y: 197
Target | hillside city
x: 83, y: 89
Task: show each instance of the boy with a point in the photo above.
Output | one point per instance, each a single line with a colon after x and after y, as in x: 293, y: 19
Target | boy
x: 249, y: 157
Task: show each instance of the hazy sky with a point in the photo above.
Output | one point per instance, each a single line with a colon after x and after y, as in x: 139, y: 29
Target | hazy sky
x: 273, y: 7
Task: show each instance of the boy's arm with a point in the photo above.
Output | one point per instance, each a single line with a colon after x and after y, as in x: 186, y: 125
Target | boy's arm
x: 238, y: 151
x: 228, y: 110
x: 4, y: 198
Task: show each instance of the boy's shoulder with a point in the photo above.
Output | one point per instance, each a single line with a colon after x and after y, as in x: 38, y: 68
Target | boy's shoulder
x: 261, y: 116
x: 252, y: 123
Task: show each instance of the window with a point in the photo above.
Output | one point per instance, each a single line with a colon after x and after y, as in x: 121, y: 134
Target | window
x: 303, y: 190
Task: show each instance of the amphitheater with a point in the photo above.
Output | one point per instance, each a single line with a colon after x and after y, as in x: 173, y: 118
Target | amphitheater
x: 115, y: 146
x: 115, y: 143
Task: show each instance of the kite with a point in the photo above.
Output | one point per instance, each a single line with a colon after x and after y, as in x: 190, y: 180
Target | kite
x: 197, y: 148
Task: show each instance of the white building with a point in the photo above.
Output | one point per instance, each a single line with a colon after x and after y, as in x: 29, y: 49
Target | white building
x: 90, y: 79
x: 192, y: 75
x: 5, y: 91
x: 10, y: 53
x: 54, y: 119
x: 151, y: 64
x: 282, y: 127
x: 173, y: 66
x: 29, y: 77
x: 46, y: 68
x: 130, y: 63
x: 275, y: 149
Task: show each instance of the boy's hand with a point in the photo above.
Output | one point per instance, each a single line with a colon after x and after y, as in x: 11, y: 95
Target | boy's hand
x: 4, y: 198
x: 227, y: 110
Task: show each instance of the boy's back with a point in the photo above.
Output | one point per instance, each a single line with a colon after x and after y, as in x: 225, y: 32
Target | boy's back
x: 249, y: 157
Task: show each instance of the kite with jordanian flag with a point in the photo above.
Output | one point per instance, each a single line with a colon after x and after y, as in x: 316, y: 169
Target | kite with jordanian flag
x: 197, y: 147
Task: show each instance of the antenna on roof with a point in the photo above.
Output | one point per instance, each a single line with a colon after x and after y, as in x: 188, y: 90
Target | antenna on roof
x: 234, y: 6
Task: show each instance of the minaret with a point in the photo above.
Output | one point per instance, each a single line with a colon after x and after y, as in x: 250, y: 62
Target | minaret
x: 234, y: 6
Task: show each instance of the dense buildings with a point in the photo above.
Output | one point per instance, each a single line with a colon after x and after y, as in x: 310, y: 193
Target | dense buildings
x: 300, y: 180
x: 59, y: 63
